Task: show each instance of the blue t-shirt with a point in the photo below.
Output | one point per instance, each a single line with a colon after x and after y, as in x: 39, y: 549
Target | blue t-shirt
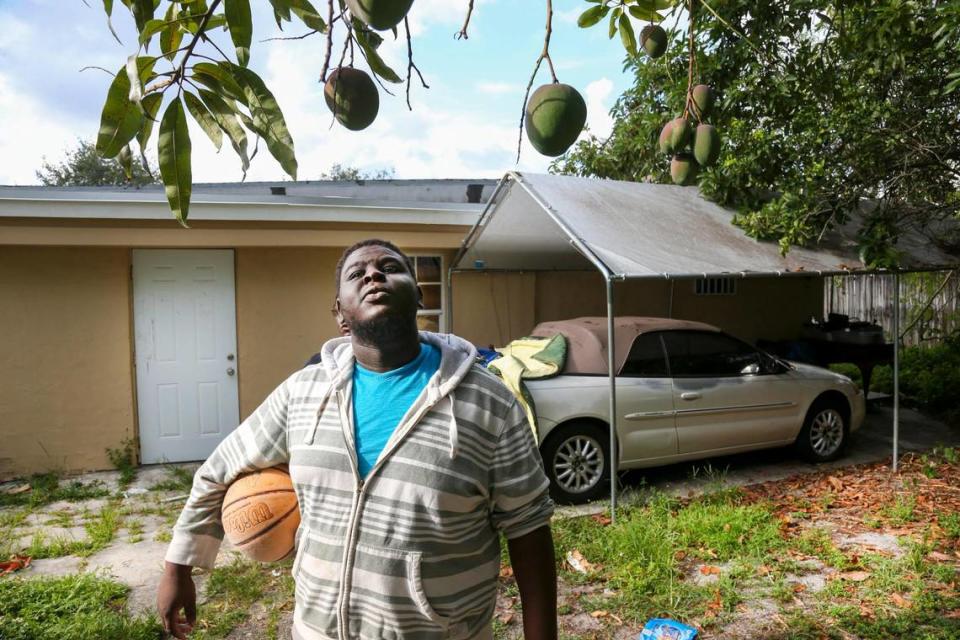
x: 380, y: 400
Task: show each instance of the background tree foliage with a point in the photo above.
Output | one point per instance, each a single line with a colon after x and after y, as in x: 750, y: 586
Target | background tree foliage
x: 84, y: 167
x: 826, y: 107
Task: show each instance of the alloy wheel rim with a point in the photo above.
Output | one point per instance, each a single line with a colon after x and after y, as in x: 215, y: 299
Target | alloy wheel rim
x: 578, y: 464
x: 826, y: 432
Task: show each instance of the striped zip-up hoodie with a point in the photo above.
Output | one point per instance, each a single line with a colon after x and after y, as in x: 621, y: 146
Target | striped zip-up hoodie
x: 412, y: 550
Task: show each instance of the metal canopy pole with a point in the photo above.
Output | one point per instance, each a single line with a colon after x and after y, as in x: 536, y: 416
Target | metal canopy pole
x: 611, y: 348
x: 896, y: 368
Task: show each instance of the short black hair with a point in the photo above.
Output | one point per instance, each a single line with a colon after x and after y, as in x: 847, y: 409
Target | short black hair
x: 371, y: 242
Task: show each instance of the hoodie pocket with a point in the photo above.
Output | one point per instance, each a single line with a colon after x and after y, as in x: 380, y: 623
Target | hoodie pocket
x: 388, y: 588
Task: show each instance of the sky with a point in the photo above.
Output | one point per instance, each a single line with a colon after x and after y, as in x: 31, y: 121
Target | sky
x: 465, y: 126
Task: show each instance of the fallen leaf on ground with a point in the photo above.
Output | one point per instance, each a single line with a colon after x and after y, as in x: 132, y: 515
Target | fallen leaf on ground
x: 854, y: 576
x: 599, y: 614
x: 709, y: 569
x: 866, y: 611
x: 799, y: 587
x: 900, y: 601
x: 601, y: 519
x: 679, y: 555
x: 939, y: 557
x: 953, y: 615
x: 578, y: 563
x: 15, y: 563
x: 23, y: 488
x: 506, y: 571
x: 835, y: 483
x: 763, y: 570
x: 506, y: 618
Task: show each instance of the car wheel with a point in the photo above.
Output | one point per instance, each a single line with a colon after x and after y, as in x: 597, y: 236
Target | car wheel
x: 577, y: 461
x: 824, y: 433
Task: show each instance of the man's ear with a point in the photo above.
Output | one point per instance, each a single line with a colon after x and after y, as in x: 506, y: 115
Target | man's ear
x: 419, y: 297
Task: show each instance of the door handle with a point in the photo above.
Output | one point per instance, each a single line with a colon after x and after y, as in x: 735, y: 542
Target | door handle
x: 230, y: 371
x: 690, y: 395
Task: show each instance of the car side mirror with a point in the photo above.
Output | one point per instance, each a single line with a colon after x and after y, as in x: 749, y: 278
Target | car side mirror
x: 751, y: 369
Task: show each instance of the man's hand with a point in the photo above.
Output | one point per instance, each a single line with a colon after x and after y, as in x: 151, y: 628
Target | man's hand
x: 175, y: 593
x: 533, y: 566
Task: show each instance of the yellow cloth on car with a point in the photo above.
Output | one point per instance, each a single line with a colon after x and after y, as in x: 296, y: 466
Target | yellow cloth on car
x: 527, y: 359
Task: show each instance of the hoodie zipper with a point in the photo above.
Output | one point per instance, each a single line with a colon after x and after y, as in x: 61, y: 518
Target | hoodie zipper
x: 350, y: 551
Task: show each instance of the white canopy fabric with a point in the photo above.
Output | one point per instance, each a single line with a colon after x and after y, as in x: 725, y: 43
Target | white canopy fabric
x: 641, y: 230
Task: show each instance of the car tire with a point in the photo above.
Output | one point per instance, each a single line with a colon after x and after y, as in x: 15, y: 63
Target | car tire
x: 825, y: 432
x: 576, y: 457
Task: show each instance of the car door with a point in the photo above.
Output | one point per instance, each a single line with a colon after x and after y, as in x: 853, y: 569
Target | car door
x: 646, y: 424
x: 727, y: 394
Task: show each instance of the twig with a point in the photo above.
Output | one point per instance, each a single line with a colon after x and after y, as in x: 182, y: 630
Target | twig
x: 692, y: 54
x: 88, y: 67
x: 544, y: 55
x: 410, y: 65
x: 300, y: 37
x: 326, y: 56
x: 193, y: 43
x: 462, y: 34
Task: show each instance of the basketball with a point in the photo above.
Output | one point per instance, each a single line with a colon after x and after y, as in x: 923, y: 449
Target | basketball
x: 260, y: 514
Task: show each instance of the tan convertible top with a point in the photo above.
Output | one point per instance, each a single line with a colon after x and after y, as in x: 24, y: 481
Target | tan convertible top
x: 587, y: 338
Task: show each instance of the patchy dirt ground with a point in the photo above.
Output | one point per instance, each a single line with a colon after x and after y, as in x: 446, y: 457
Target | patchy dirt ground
x: 833, y: 522
x: 860, y: 541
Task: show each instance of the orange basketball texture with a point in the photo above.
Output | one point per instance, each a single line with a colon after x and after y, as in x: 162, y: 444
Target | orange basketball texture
x: 260, y: 514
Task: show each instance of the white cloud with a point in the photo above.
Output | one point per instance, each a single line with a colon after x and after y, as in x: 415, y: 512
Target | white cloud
x: 498, y: 87
x: 30, y: 132
x: 598, y: 116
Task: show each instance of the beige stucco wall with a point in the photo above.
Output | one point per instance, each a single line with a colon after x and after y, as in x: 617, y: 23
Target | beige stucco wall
x: 66, y: 385
x: 762, y: 308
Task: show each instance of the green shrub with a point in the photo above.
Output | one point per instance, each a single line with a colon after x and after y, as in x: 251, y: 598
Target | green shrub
x: 929, y: 377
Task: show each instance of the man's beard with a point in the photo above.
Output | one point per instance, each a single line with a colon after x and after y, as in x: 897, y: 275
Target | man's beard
x: 382, y: 329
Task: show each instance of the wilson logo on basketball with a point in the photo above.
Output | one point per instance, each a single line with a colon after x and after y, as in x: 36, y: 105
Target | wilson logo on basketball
x: 249, y: 517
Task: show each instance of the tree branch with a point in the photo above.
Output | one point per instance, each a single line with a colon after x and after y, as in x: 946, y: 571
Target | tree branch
x: 462, y: 34
x: 410, y: 65
x: 544, y: 55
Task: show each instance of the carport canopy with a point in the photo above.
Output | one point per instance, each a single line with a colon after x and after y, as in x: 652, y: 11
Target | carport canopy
x: 632, y: 230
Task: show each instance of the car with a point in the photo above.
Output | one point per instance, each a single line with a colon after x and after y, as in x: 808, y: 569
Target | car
x: 685, y: 391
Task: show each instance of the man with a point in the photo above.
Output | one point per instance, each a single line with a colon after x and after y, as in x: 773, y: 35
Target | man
x: 408, y: 459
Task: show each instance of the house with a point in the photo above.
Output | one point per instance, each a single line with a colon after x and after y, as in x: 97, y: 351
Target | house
x: 117, y: 323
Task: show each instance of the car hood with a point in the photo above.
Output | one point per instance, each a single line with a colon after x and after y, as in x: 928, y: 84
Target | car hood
x: 811, y: 371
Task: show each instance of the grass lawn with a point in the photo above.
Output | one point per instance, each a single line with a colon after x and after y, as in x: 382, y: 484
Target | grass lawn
x: 856, y: 553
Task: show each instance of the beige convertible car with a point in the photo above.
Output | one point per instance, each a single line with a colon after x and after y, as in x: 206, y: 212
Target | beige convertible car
x: 685, y: 390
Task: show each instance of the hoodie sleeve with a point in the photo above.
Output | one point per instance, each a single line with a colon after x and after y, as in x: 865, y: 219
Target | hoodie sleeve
x: 258, y: 443
x: 518, y: 486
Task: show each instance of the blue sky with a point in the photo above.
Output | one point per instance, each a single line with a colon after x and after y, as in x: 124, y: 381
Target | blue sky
x: 465, y: 125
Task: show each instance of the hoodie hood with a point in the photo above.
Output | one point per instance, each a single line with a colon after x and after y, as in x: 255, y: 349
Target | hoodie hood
x: 456, y: 357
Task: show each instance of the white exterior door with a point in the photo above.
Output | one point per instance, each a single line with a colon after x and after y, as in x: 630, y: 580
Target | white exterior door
x: 186, y: 344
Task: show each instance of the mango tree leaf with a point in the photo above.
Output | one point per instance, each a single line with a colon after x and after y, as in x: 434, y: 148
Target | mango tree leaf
x: 268, y: 119
x: 647, y: 15
x: 377, y: 65
x: 126, y: 161
x: 138, y: 69
x: 303, y: 10
x: 281, y: 11
x: 142, y: 11
x: 120, y: 120
x: 204, y: 118
x: 240, y: 24
x: 173, y: 151
x: 592, y: 16
x: 225, y: 114
x: 151, y: 106
x: 150, y: 29
x: 219, y: 79
x: 627, y: 37
x: 171, y: 38
x: 108, y: 9
x: 612, y: 29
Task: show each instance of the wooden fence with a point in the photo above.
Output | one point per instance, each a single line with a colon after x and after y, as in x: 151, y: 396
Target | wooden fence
x: 929, y: 303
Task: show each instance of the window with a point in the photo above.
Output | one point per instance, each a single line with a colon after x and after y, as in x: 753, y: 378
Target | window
x: 707, y: 354
x: 646, y: 358
x: 429, y: 272
x: 715, y: 287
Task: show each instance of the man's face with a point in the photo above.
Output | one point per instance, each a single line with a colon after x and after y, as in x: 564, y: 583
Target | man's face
x: 377, y: 293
